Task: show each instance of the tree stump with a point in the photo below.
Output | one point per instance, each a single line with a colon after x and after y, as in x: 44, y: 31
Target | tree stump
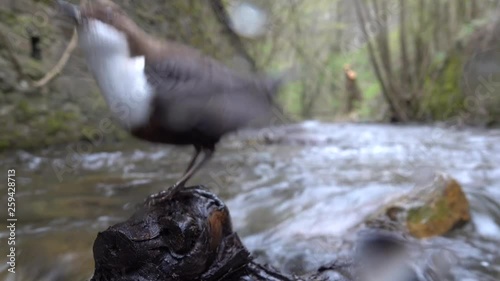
x: 353, y: 92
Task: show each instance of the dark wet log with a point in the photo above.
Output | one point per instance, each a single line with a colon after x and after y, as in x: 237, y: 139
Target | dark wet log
x: 187, y: 238
x: 190, y: 238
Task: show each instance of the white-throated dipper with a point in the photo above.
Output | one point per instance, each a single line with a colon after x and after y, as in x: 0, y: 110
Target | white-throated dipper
x: 162, y: 91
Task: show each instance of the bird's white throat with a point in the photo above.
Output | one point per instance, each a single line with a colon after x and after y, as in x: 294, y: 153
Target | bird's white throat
x: 121, y: 78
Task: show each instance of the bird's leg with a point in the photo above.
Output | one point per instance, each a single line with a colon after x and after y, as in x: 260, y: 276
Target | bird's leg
x: 194, y: 167
x: 193, y: 160
x: 165, y: 193
x: 207, y: 154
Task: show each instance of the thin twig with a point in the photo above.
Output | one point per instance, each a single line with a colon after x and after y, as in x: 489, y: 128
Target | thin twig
x: 60, y: 64
x: 52, y: 73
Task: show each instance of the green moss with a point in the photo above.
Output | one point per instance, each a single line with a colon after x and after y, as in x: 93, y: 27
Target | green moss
x: 443, y: 97
x: 8, y: 18
x: 425, y: 214
x: 59, y: 122
x: 54, y: 125
x: 419, y: 215
x: 33, y: 68
x: 25, y: 111
x: 4, y: 144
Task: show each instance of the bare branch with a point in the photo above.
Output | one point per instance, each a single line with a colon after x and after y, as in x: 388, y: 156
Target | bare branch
x: 60, y: 64
x: 51, y: 74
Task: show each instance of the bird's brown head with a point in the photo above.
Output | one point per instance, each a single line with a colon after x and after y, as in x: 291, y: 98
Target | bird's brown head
x: 103, y: 21
x: 105, y: 11
x: 69, y: 10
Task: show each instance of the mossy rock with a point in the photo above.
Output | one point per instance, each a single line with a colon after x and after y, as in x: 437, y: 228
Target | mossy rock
x: 432, y: 210
x: 446, y: 211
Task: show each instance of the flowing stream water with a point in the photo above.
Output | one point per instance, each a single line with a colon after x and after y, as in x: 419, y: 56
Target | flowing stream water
x: 295, y: 200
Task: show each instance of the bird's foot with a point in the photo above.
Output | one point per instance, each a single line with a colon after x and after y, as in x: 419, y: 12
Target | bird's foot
x: 164, y: 195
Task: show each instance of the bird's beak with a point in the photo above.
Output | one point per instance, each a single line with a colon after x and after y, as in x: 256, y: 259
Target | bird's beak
x: 69, y: 10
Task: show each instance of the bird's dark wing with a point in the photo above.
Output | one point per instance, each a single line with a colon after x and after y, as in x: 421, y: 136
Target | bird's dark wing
x: 199, y: 94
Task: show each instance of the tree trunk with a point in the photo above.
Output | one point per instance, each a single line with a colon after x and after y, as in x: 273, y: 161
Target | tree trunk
x: 339, y: 31
x: 398, y: 114
x: 406, y: 80
x: 437, y: 26
x: 474, y: 11
x: 419, y: 41
x: 383, y: 36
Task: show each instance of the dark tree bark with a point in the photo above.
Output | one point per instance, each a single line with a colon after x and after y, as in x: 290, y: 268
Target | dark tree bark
x: 383, y: 35
x: 419, y: 41
x: 339, y: 31
x: 474, y: 10
x: 403, y: 30
x: 461, y: 11
x: 398, y: 114
x: 187, y: 238
x: 436, y: 33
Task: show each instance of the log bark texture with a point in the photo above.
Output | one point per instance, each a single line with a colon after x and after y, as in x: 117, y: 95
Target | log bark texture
x: 187, y: 238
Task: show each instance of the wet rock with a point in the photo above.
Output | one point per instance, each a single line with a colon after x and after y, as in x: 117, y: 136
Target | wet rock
x: 433, y: 209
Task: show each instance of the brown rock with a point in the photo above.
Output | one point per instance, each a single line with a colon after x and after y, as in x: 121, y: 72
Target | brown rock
x: 446, y: 208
